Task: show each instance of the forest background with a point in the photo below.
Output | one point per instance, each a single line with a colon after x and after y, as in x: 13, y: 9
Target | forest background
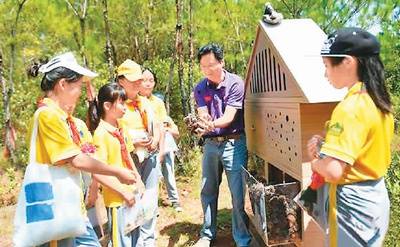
x: 163, y: 35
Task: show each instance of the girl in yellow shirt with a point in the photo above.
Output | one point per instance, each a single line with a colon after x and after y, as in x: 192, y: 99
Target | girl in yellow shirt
x: 58, y: 141
x: 113, y: 148
x: 355, y: 152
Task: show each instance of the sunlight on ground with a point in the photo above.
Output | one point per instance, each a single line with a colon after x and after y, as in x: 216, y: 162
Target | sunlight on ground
x: 182, y: 229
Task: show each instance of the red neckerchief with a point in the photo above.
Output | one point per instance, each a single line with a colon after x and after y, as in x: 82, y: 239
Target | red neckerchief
x: 74, y: 130
x: 124, y: 152
x: 85, y: 147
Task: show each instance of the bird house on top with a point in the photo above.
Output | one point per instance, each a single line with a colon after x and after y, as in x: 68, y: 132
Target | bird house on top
x: 287, y: 98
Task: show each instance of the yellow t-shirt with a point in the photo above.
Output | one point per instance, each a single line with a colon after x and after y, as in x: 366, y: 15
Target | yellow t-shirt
x: 54, y: 139
x: 359, y: 134
x: 132, y: 119
x: 109, y: 151
x: 158, y: 106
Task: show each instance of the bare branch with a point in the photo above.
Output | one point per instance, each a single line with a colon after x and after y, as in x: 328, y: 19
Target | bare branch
x: 73, y: 8
x: 84, y: 12
x: 236, y: 27
x: 353, y: 12
x: 334, y: 17
x: 287, y: 6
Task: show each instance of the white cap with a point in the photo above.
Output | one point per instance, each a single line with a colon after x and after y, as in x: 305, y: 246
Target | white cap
x: 66, y: 60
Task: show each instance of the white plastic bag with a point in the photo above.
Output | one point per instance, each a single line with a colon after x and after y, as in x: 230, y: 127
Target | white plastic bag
x: 49, y: 205
x: 141, y: 135
x: 141, y: 212
x: 169, y: 143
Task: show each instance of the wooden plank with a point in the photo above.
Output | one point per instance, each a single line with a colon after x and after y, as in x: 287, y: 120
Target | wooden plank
x: 312, y: 235
x: 313, y: 119
x: 250, y: 65
x: 262, y: 98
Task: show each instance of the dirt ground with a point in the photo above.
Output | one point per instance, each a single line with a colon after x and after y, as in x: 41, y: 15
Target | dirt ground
x: 182, y: 229
x: 174, y: 229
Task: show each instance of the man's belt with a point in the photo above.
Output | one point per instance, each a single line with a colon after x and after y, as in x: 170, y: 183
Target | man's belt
x: 224, y: 137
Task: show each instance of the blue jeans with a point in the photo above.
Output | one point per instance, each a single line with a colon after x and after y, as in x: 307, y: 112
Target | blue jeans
x: 87, y: 239
x: 168, y: 172
x: 149, y: 171
x: 230, y: 156
x: 124, y: 240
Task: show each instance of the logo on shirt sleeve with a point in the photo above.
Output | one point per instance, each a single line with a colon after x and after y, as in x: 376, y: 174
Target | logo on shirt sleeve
x: 335, y: 129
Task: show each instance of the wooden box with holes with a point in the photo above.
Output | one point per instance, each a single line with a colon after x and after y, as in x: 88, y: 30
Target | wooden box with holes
x: 287, y: 100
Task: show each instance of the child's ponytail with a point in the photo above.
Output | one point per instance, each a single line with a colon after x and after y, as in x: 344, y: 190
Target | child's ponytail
x: 93, y: 117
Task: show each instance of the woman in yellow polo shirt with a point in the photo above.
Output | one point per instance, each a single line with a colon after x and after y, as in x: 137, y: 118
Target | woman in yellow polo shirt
x: 59, y: 137
x: 355, y: 153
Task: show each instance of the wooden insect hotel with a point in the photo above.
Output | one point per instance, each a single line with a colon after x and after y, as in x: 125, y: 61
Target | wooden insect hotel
x: 287, y: 100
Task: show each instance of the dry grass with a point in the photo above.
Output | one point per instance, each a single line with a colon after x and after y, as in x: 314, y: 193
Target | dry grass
x: 6, y: 229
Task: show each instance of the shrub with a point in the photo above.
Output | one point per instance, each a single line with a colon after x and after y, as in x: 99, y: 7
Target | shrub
x: 393, y: 184
x: 10, y: 183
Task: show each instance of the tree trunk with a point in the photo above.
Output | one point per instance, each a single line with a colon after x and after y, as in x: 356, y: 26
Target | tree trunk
x: 191, y: 58
x: 8, y: 148
x: 138, y: 56
x: 8, y: 91
x: 147, y: 31
x: 170, y: 80
x: 82, y: 23
x: 109, y: 47
x: 179, y: 52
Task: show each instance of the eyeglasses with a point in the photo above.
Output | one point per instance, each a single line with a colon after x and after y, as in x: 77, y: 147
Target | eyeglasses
x: 209, y: 66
